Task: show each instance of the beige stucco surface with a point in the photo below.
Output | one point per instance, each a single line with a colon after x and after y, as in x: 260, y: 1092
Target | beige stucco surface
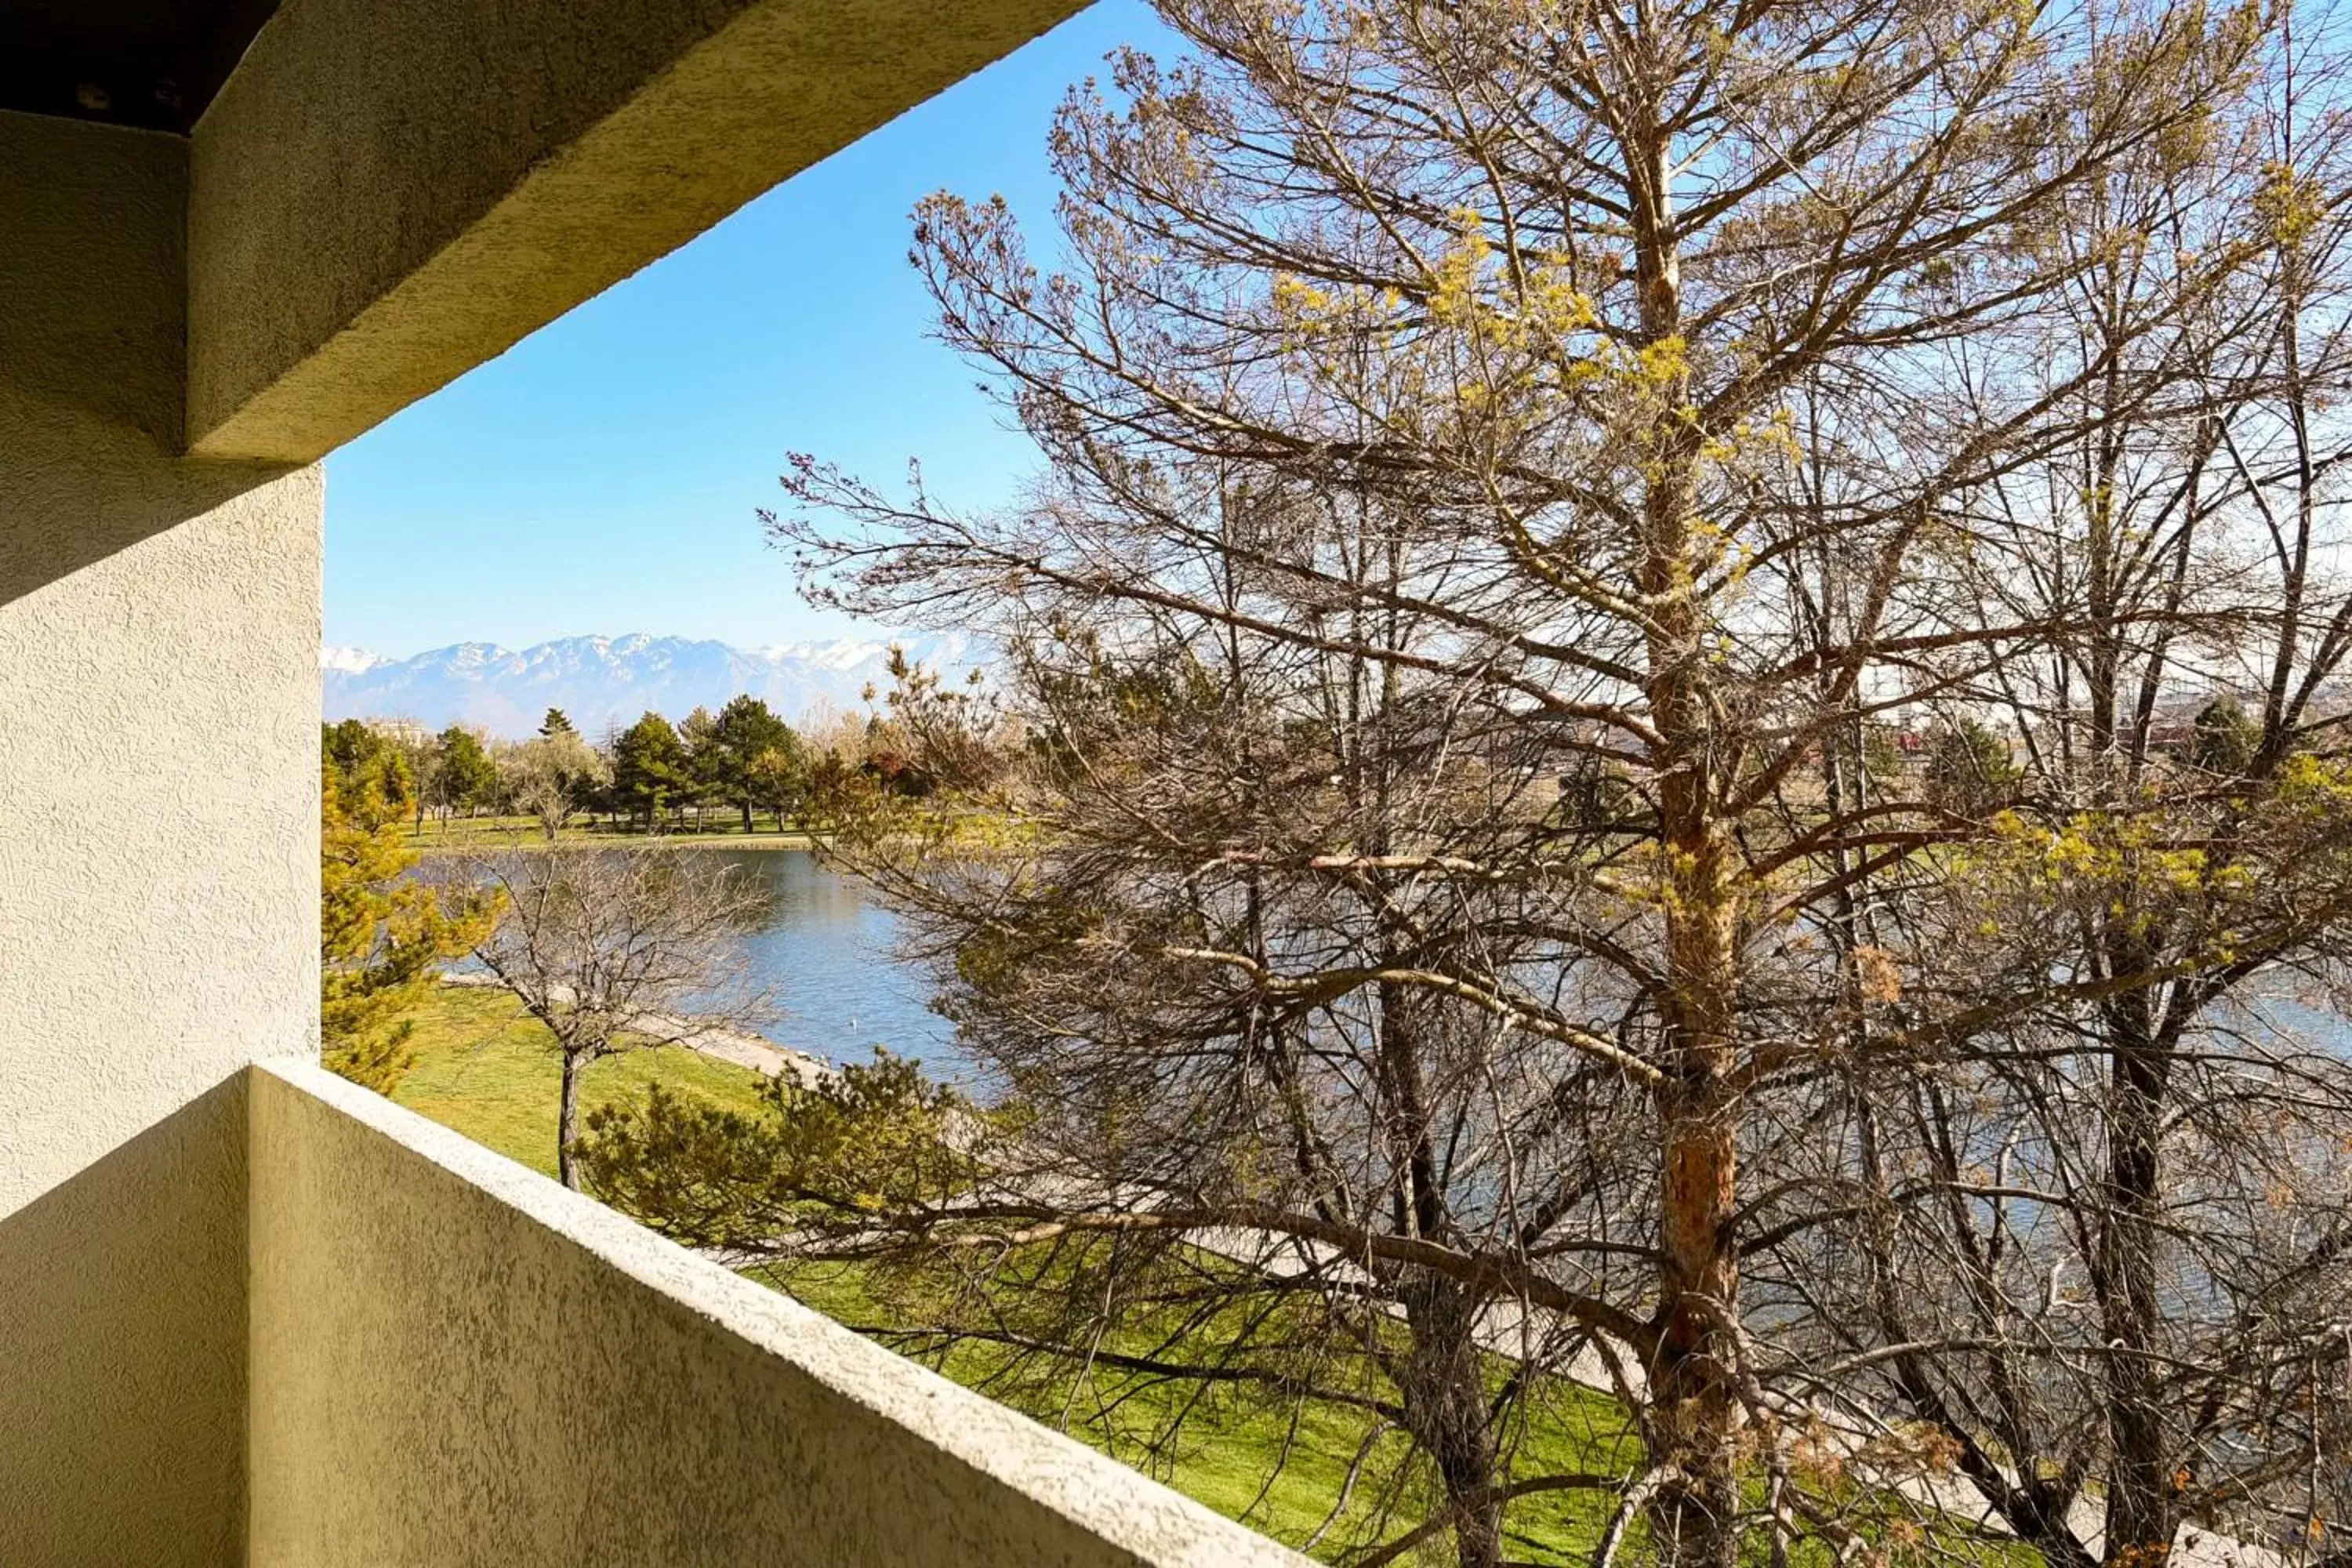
x: 456, y: 1361
x: 159, y: 628
x: 385, y: 196
x: 248, y: 1313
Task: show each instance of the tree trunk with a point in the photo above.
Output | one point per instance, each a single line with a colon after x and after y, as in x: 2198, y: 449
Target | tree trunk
x: 1695, y: 1407
x: 567, y: 1121
x: 2141, y: 1510
x: 1443, y: 1397
x: 1696, y: 1415
x: 747, y: 820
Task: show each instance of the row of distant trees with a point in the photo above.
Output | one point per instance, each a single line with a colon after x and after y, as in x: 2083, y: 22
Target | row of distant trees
x: 647, y: 776
x: 1972, y: 767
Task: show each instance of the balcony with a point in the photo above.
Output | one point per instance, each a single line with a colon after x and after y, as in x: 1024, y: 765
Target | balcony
x: 252, y: 1314
x: 452, y: 1359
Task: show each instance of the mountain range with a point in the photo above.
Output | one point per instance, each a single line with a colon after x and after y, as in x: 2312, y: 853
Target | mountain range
x: 601, y: 681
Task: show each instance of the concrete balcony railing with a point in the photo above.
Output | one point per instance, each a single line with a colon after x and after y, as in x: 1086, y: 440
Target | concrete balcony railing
x: 453, y: 1360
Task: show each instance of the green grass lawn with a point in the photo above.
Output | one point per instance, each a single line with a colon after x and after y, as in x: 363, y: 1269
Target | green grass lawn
x: 489, y: 1071
x: 1277, y: 1468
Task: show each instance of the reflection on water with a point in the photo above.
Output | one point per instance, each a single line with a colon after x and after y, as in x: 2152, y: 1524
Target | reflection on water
x: 827, y: 950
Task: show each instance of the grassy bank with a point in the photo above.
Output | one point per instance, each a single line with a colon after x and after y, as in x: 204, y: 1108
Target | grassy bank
x: 491, y: 1072
x: 466, y: 833
x: 487, y: 1070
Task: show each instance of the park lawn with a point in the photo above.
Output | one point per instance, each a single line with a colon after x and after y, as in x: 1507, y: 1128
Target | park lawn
x: 488, y: 1071
x: 1278, y: 1470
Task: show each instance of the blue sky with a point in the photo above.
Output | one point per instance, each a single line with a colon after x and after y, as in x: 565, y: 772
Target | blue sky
x: 601, y: 477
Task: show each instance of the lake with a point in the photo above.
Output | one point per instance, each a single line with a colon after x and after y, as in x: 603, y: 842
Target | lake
x: 827, y: 949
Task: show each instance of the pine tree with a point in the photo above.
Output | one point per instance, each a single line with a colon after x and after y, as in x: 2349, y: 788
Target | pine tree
x: 699, y: 734
x: 759, y: 757
x: 2226, y: 739
x: 650, y: 767
x: 1969, y: 772
x: 367, y: 764
x: 466, y: 776
x: 382, y: 935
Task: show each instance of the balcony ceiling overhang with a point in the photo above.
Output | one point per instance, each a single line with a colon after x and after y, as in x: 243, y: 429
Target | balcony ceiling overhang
x: 379, y: 195
x: 152, y: 64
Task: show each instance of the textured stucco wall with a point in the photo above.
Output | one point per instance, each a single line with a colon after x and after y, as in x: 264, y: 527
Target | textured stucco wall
x: 159, y: 628
x: 458, y: 1363
x: 385, y: 196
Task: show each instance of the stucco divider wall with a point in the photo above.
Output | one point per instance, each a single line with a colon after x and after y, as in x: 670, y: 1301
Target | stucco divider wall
x: 458, y: 1362
x: 385, y: 196
x: 159, y: 634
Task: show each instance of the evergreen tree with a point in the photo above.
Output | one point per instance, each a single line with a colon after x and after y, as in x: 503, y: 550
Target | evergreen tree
x: 780, y: 780
x: 2226, y: 739
x: 651, y: 770
x: 759, y: 759
x: 1969, y: 772
x: 348, y: 745
x: 382, y: 934
x: 698, y: 734
x: 557, y: 723
x: 371, y: 769
x: 466, y: 775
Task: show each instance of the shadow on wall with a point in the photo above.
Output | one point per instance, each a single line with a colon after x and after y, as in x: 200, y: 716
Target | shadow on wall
x: 92, y: 348
x: 122, y: 1308
x: 78, y: 489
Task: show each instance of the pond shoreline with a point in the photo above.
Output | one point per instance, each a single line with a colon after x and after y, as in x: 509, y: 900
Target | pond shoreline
x: 819, y: 945
x: 782, y: 843
x: 742, y: 1050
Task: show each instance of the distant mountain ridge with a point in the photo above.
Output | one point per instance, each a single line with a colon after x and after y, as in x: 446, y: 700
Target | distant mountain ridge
x: 602, y: 680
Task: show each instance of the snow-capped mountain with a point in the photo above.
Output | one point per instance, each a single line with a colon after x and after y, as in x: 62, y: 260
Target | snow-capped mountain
x: 608, y: 681
x: 349, y: 660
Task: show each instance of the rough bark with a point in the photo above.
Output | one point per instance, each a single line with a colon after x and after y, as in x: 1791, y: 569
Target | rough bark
x: 1444, y: 1397
x: 567, y: 1120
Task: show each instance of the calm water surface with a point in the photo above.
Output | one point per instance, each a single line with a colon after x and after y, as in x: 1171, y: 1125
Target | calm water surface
x: 829, y: 952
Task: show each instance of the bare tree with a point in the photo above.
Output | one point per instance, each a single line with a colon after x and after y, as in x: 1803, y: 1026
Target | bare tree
x: 1504, y: 460
x: 2097, y: 1238
x: 1474, y: 350
x: 1211, y: 1160
x: 617, y: 948
x: 551, y: 777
